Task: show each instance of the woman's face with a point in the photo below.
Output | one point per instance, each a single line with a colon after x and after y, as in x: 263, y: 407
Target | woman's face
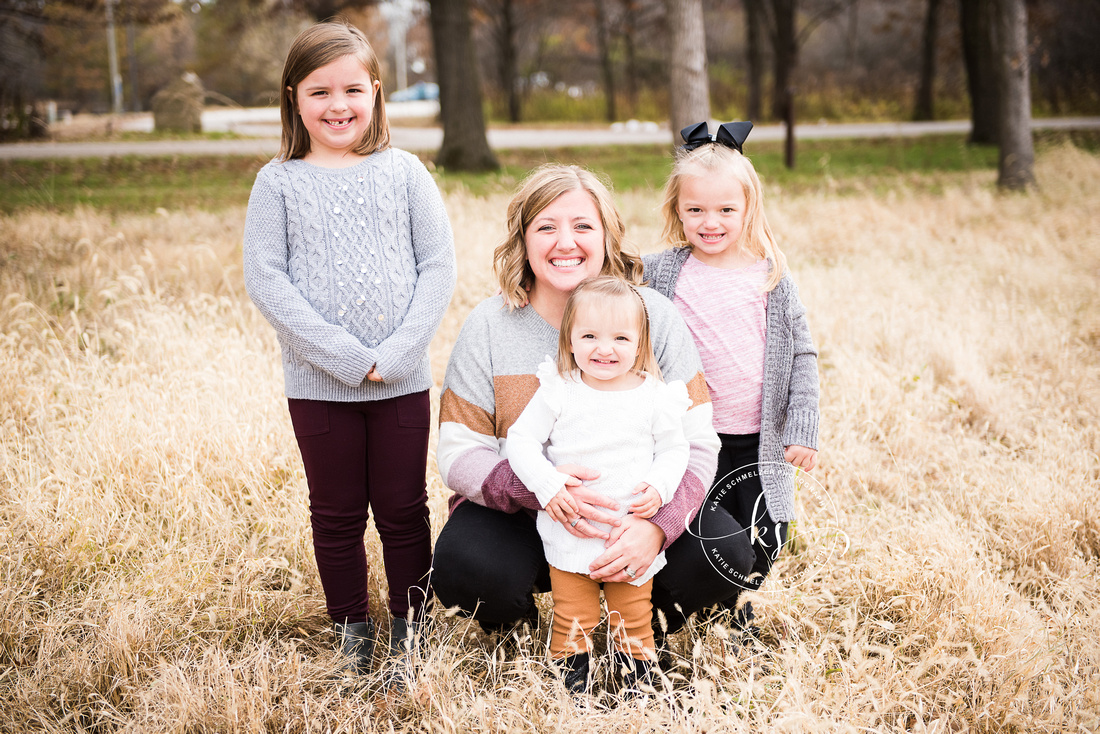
x: 565, y: 243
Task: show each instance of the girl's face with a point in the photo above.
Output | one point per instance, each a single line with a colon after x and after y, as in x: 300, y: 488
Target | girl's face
x: 713, y: 212
x: 565, y: 244
x: 335, y: 103
x: 604, y: 341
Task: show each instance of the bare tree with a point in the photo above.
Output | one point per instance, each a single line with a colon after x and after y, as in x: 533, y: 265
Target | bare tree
x: 1017, y: 152
x: 754, y: 57
x: 465, y: 145
x: 503, y: 18
x: 975, y: 19
x: 689, y: 93
x: 924, y: 109
x: 607, y: 70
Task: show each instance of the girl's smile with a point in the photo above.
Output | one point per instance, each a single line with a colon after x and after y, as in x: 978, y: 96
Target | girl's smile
x: 336, y: 103
x: 604, y: 341
x: 713, y: 212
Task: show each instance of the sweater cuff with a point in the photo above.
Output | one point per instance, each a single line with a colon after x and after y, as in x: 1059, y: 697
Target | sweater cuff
x: 354, y: 370
x: 801, y: 429
x: 502, y: 490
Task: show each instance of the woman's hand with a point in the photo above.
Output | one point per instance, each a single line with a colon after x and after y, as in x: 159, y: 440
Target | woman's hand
x: 588, y: 502
x: 633, y: 545
x: 373, y: 375
x: 800, y: 456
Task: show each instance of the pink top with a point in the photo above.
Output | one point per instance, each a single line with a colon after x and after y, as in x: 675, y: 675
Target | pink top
x: 726, y: 312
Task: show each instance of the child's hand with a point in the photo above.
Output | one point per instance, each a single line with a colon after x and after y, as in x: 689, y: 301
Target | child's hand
x: 801, y: 457
x: 562, y: 507
x: 648, y: 501
x: 373, y: 375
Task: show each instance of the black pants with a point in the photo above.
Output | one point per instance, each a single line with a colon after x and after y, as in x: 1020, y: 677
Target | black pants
x: 738, y: 490
x: 490, y: 563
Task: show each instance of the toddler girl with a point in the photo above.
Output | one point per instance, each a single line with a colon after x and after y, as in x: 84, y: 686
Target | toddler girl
x: 603, y: 406
x: 348, y: 253
x: 728, y: 278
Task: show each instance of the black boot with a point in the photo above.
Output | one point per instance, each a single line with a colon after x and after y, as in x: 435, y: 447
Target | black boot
x: 575, y: 672
x: 403, y: 638
x: 356, y: 640
x: 636, y: 675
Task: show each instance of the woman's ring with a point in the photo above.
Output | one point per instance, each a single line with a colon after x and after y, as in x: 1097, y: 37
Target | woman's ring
x: 629, y: 572
x: 574, y: 523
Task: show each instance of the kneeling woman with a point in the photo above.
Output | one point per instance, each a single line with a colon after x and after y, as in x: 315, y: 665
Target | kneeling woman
x: 489, y: 560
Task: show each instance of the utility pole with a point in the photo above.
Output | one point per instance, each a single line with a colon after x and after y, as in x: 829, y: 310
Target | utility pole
x: 400, y: 16
x: 112, y: 58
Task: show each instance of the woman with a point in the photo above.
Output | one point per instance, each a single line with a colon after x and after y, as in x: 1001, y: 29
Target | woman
x: 562, y: 229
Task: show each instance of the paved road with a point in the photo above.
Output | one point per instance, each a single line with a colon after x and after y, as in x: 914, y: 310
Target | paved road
x: 430, y: 138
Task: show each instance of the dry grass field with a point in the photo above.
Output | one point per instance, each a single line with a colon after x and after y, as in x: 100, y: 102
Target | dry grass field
x: 156, y: 569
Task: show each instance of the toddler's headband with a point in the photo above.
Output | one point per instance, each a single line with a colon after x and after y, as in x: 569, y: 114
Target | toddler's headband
x: 730, y: 134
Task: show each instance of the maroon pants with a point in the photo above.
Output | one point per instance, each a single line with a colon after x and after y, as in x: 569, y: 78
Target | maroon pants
x: 359, y: 455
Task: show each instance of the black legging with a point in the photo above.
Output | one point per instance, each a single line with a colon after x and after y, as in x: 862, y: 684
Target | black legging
x: 489, y: 563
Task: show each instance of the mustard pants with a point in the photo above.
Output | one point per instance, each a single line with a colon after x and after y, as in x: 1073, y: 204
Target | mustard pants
x: 577, y: 612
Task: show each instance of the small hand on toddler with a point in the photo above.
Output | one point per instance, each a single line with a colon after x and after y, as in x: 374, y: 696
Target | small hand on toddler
x: 563, y: 508
x: 800, y: 456
x: 648, y: 503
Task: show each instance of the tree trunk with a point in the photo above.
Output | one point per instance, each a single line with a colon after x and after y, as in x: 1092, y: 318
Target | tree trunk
x: 924, y: 109
x: 603, y: 42
x: 786, y: 56
x: 509, y: 60
x: 465, y: 146
x: 689, y: 94
x: 754, y: 59
x: 629, y: 12
x: 1017, y: 154
x: 976, y: 19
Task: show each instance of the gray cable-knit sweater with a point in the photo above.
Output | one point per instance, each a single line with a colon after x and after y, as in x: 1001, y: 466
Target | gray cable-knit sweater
x: 789, y: 414
x: 354, y: 267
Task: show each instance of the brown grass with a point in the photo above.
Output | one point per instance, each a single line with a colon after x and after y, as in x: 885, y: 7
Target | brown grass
x: 156, y: 571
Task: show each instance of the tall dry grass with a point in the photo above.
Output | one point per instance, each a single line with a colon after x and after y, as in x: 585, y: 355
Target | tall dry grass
x: 156, y: 571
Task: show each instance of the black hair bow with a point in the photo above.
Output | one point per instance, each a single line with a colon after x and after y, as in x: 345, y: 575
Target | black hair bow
x: 730, y: 134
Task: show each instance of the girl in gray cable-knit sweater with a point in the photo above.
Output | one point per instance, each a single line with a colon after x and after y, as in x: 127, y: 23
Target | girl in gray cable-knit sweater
x: 728, y: 278
x: 348, y: 253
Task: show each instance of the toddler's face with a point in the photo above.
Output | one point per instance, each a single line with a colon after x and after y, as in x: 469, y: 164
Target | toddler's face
x: 604, y: 341
x: 712, y: 209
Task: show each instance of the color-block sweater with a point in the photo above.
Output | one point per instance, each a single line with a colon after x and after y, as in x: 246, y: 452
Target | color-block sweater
x: 789, y: 412
x: 354, y: 267
x: 491, y: 377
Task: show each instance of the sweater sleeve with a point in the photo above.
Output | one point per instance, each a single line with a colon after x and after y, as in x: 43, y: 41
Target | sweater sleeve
x: 300, y: 327
x: 468, y: 451
x: 526, y: 438
x: 670, y: 447
x: 679, y: 360
x: 802, y: 417
x: 433, y: 247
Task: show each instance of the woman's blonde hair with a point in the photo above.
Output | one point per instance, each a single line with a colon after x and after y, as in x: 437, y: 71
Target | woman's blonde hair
x: 605, y: 291
x: 317, y: 46
x: 541, y: 188
x: 714, y: 159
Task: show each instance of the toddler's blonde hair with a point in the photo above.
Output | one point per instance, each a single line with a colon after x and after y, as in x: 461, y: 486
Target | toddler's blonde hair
x: 603, y: 291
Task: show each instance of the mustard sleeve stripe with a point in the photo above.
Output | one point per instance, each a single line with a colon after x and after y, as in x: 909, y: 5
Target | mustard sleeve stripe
x: 697, y: 390
x: 453, y: 409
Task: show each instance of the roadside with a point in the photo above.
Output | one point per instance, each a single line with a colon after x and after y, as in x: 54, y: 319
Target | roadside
x: 259, y: 128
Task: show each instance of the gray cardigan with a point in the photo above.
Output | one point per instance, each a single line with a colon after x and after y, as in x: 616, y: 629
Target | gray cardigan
x: 789, y: 414
x: 354, y: 267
